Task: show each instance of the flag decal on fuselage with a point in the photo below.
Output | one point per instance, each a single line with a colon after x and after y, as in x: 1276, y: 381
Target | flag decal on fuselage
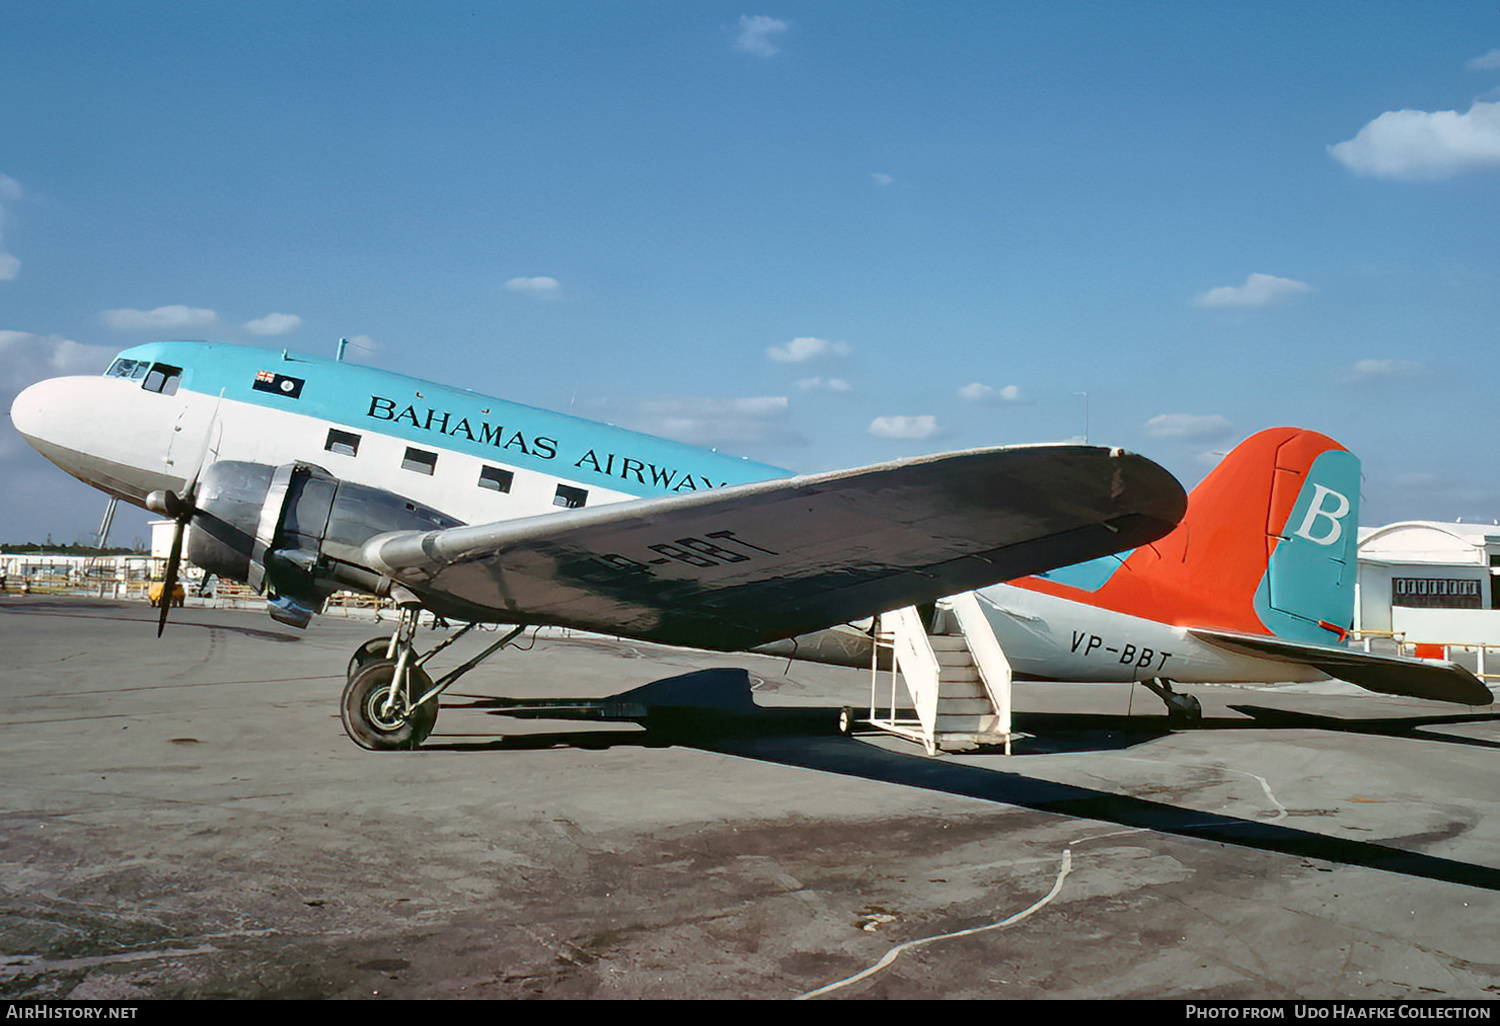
x: 281, y: 384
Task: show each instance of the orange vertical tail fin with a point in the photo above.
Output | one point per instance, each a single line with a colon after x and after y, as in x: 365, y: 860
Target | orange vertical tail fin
x: 1268, y: 546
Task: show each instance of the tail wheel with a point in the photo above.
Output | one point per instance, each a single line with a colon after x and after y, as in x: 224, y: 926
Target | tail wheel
x: 368, y: 721
x: 1186, y: 710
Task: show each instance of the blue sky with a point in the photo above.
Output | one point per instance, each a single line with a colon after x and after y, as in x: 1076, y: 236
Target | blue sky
x: 817, y: 234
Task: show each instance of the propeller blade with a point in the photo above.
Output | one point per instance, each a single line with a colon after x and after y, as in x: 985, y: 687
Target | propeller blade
x: 208, y: 454
x: 181, y: 509
x: 169, y: 585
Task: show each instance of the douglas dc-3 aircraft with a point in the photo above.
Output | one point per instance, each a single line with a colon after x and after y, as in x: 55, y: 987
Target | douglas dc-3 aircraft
x: 304, y: 476
x: 1255, y: 584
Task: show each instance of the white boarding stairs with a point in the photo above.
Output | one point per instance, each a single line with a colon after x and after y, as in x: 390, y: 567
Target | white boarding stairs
x: 958, y: 677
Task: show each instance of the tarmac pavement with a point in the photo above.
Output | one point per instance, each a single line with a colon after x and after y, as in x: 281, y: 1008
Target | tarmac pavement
x: 184, y: 817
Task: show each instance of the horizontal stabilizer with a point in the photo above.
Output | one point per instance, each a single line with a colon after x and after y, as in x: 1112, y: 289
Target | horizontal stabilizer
x: 740, y: 566
x: 1385, y: 674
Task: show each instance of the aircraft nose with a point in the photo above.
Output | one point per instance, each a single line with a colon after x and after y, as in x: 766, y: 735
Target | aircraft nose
x: 33, y: 408
x: 107, y: 432
x: 63, y: 416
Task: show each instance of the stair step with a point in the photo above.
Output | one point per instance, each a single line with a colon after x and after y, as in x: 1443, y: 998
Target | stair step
x: 964, y: 707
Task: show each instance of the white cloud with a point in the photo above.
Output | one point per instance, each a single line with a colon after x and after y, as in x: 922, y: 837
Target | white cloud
x: 825, y: 384
x: 981, y: 393
x: 1258, y: 290
x: 1187, y: 427
x: 881, y: 179
x: 924, y: 426
x: 9, y: 267
x: 1489, y: 62
x: 757, y: 32
x: 26, y: 358
x: 716, y: 422
x: 800, y: 350
x: 1368, y: 371
x: 1412, y: 145
x: 10, y: 189
x: 162, y: 318
x: 273, y: 324
x: 540, y: 286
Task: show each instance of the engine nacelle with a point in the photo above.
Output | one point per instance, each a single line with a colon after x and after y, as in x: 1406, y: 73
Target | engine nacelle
x: 295, y: 532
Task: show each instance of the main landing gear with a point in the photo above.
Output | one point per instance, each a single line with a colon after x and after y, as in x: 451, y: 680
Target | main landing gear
x: 389, y: 702
x: 1182, y: 709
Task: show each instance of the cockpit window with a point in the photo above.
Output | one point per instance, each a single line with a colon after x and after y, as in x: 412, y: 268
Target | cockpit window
x: 135, y: 370
x: 163, y: 379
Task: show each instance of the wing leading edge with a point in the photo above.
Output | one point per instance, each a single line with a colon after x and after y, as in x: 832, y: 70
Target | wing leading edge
x: 1373, y: 671
x: 744, y: 565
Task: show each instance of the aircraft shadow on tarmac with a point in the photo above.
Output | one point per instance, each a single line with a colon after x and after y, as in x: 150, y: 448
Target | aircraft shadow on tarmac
x: 98, y: 609
x: 714, y: 710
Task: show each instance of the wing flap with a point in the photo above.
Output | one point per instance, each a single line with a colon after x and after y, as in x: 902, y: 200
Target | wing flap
x: 741, y: 566
x: 1373, y: 671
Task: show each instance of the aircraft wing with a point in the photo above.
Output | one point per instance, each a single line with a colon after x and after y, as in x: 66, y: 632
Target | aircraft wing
x: 1386, y: 674
x: 736, y: 567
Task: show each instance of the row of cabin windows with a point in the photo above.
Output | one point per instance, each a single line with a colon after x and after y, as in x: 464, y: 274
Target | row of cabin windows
x: 424, y: 461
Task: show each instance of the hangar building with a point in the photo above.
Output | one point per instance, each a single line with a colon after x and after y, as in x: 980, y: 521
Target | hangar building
x: 1434, y: 586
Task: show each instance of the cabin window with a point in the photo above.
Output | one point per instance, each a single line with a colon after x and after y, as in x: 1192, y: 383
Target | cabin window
x: 495, y: 479
x: 344, y: 443
x: 419, y: 460
x: 163, y: 379
x: 570, y: 498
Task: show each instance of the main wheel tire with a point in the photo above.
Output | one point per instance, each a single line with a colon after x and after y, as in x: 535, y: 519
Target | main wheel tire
x: 365, y: 720
x: 369, y: 652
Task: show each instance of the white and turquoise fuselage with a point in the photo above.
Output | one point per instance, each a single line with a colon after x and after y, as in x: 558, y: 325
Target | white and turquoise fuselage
x: 164, y: 408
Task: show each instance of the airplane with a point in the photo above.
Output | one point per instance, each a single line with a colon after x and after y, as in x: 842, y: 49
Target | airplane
x: 1256, y: 584
x: 303, y: 476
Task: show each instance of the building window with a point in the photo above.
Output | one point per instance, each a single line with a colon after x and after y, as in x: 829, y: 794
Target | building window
x: 163, y: 379
x: 495, y: 479
x: 1436, y: 593
x: 570, y: 498
x: 342, y: 442
x: 420, y: 460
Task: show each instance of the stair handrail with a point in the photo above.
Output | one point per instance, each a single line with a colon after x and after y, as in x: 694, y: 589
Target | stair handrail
x: 989, y: 658
x: 918, y: 666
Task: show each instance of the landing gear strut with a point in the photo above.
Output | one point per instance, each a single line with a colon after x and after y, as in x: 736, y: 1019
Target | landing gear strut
x: 389, y: 702
x: 1182, y: 709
